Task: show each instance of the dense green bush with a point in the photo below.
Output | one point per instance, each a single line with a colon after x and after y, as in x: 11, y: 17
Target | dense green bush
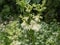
x: 29, y: 22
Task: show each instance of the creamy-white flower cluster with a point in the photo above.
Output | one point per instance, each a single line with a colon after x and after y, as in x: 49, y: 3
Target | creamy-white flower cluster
x: 33, y: 25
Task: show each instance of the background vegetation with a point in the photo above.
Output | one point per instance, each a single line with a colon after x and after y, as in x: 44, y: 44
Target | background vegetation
x: 29, y: 22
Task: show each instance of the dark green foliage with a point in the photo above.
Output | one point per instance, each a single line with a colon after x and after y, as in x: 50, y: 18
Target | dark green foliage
x: 52, y: 11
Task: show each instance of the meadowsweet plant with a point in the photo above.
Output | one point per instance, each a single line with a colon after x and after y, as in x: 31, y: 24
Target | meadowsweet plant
x: 29, y: 22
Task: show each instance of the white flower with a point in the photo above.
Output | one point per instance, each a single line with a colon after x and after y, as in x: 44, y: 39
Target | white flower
x: 34, y: 26
x: 15, y: 43
x: 24, y: 26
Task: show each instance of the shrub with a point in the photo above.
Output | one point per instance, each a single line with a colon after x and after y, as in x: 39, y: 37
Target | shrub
x: 29, y: 22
